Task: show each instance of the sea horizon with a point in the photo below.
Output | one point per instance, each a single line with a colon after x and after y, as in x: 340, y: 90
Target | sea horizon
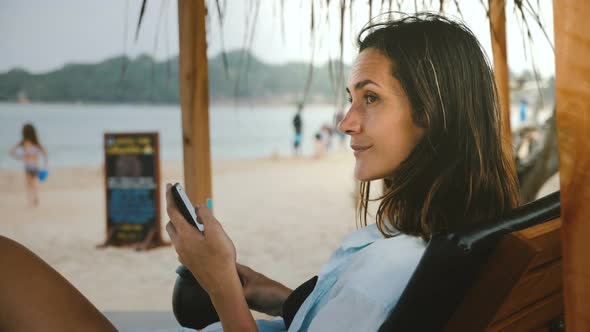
x: 73, y: 133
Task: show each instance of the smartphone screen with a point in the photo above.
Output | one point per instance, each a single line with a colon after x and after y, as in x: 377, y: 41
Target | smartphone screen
x: 186, y: 207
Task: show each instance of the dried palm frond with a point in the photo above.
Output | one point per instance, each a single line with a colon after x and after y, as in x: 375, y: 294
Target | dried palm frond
x: 141, y: 13
x: 525, y: 12
x: 221, y: 16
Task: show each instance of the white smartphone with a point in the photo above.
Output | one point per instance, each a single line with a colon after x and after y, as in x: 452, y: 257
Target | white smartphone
x: 186, y: 207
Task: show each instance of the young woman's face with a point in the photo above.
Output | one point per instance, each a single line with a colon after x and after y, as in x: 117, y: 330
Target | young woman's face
x: 379, y: 120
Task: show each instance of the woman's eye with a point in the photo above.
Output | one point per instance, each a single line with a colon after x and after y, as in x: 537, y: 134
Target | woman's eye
x: 370, y: 99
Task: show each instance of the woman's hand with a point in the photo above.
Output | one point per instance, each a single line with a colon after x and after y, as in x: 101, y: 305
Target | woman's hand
x: 262, y: 293
x: 210, y: 255
x: 211, y: 258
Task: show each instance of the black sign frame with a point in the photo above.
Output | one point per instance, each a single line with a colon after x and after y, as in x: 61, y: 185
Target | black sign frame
x: 131, y: 170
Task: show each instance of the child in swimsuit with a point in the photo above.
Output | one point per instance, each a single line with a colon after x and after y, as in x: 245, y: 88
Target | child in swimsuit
x: 29, y: 150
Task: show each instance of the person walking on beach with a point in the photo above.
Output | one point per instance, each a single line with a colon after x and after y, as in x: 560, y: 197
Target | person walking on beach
x: 338, y: 117
x: 327, y: 133
x: 297, y: 124
x: 30, y: 150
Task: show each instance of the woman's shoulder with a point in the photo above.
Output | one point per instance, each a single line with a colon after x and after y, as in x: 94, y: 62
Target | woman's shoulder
x: 369, y: 247
x: 409, y: 243
x: 382, y: 269
x: 394, y: 253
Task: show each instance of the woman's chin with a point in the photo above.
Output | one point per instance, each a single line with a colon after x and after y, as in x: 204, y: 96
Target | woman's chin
x: 367, y: 174
x: 364, y: 175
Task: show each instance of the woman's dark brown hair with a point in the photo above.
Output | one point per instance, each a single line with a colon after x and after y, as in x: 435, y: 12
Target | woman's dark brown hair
x: 461, y: 172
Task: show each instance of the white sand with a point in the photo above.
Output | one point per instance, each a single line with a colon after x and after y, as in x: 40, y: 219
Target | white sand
x: 284, y: 216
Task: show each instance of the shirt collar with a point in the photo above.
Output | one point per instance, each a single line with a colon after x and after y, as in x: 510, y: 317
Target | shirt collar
x: 362, y: 237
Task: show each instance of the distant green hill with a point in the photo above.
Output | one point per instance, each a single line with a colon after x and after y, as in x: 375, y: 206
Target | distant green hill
x: 144, y: 80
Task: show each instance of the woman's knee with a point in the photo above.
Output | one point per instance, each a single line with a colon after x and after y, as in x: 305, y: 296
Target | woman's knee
x: 14, y: 254
x: 28, y: 284
x: 9, y: 246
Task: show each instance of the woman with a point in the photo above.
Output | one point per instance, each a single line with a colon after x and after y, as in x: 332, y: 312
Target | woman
x: 30, y: 151
x: 424, y: 118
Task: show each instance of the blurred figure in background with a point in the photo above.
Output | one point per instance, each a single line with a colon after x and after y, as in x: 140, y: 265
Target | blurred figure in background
x: 322, y: 141
x: 319, y: 147
x: 30, y: 150
x: 327, y: 136
x: 337, y: 119
x: 297, y: 124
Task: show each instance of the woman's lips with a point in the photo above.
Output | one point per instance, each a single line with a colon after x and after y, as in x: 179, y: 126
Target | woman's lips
x: 358, y: 149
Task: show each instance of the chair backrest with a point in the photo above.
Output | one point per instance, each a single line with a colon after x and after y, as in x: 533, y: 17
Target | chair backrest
x: 520, y: 288
x: 448, y: 281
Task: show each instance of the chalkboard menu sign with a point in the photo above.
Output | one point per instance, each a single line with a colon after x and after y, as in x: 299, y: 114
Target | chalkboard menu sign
x: 132, y: 183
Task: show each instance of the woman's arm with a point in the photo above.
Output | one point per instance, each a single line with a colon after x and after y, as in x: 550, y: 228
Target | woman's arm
x: 231, y: 306
x: 262, y: 293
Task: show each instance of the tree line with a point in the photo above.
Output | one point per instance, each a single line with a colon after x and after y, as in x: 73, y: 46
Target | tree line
x: 237, y: 75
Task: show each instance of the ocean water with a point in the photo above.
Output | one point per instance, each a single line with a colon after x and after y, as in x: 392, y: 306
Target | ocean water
x: 73, y: 133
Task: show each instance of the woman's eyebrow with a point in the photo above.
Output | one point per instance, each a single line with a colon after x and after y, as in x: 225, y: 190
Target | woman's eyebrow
x: 361, y: 84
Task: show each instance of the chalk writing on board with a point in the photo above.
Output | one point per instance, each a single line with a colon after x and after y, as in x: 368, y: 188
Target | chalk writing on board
x: 135, y: 206
x: 122, y: 182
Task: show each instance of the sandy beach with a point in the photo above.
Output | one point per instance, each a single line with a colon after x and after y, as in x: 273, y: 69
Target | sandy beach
x: 285, y: 217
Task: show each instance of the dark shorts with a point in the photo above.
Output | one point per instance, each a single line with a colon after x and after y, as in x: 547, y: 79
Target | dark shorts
x: 32, y: 170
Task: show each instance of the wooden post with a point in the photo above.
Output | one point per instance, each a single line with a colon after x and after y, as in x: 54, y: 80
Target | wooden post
x: 498, y: 38
x: 194, y: 99
x: 572, y: 74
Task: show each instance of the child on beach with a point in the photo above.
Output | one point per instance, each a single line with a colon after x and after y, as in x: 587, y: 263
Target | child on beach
x: 30, y: 151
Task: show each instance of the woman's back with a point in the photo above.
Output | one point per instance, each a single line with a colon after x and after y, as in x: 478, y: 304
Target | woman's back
x: 360, y: 284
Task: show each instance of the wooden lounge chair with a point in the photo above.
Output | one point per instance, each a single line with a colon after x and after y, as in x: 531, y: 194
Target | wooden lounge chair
x: 522, y: 285
x: 504, y: 277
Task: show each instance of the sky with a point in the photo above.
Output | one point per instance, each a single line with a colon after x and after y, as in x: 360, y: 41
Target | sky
x: 41, y: 36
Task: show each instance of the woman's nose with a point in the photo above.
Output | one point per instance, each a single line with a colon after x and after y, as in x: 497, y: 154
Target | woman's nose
x: 351, y: 123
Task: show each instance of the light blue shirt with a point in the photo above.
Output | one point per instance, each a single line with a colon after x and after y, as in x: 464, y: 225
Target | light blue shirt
x: 358, y: 286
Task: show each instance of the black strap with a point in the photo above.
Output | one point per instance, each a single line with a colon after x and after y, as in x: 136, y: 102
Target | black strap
x: 296, y: 299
